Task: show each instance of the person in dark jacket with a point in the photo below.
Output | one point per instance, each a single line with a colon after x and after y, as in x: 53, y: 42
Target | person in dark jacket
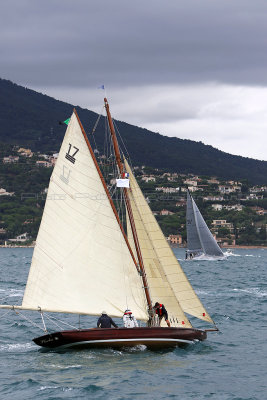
x: 105, y: 321
x: 161, y: 311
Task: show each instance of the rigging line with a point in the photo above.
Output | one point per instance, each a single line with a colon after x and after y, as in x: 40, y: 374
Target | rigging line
x: 2, y: 316
x: 97, y: 121
x: 95, y: 126
x: 117, y: 129
x: 62, y: 322
x: 28, y: 319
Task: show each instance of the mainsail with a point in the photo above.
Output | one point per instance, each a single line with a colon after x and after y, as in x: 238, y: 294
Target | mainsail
x: 199, y: 237
x: 164, y: 273
x: 81, y: 263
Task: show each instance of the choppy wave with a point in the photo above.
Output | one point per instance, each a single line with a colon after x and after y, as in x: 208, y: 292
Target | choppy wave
x: 253, y: 291
x: 228, y: 365
x: 65, y: 366
x: 11, y: 292
x: 16, y: 346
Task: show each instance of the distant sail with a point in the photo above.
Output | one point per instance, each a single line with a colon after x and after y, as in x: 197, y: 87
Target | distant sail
x: 193, y: 241
x: 199, y: 238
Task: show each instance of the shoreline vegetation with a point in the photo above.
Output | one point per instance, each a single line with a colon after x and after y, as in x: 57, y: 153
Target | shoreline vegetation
x: 223, y: 247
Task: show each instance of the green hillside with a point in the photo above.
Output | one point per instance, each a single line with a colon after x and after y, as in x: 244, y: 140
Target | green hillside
x: 31, y: 119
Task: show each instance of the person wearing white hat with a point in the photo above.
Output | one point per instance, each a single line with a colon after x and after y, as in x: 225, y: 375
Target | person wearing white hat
x: 129, y: 319
x: 105, y: 321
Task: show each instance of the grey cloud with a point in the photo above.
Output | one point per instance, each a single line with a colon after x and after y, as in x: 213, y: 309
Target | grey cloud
x: 83, y: 43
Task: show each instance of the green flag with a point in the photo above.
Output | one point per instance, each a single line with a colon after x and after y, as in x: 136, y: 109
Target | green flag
x: 65, y: 122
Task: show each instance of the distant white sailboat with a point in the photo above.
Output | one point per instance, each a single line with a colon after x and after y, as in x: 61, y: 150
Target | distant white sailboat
x: 200, y: 241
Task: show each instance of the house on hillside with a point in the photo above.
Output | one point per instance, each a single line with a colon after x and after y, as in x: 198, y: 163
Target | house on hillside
x: 229, y: 189
x: 195, y: 189
x: 25, y: 152
x: 24, y: 237
x: 222, y: 223
x: 213, y: 180
x: 167, y: 189
x: 42, y: 163
x: 10, y: 159
x: 217, y: 207
x: 175, y: 239
x: 150, y: 178
x: 253, y: 196
x: 259, y: 210
x: 3, y: 192
x: 166, y: 212
x: 190, y: 182
x: 213, y: 198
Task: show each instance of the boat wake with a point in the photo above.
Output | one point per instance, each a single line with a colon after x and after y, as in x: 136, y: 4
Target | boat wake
x: 205, y: 257
x: 139, y: 347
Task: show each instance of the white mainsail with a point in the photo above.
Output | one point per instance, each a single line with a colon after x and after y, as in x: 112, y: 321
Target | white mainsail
x: 165, y: 260
x: 199, y: 237
x: 81, y: 263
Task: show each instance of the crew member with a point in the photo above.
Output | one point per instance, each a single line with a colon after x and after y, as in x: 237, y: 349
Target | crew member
x: 161, y: 312
x: 129, y: 319
x: 105, y: 321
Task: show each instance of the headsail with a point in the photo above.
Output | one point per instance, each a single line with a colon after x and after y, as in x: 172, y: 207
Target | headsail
x: 193, y: 242
x: 165, y: 260
x: 198, y: 231
x: 81, y: 262
x: 159, y: 288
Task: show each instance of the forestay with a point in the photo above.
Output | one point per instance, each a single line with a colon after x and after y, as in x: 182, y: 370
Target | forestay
x: 166, y: 262
x: 81, y: 262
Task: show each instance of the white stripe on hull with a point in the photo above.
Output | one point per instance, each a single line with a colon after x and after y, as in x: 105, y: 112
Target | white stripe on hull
x: 129, y: 341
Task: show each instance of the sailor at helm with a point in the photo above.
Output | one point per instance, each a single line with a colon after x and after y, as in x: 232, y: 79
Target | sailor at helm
x: 129, y: 319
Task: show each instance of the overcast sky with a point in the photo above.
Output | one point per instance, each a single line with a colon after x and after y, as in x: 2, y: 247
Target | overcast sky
x: 194, y: 69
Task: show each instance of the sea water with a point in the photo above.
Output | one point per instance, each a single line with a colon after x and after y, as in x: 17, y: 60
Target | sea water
x: 229, y: 365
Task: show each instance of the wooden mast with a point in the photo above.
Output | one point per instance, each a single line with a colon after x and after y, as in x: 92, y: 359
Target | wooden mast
x: 128, y: 205
x: 106, y: 190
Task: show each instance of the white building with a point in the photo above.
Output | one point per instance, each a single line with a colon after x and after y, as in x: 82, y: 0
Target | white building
x: 21, y: 238
x: 229, y: 189
x: 217, y: 207
x: 10, y: 159
x: 190, y: 182
x: 3, y: 192
x: 148, y: 179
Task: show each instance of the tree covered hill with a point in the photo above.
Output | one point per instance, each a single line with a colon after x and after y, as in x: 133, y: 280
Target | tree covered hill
x: 29, y: 118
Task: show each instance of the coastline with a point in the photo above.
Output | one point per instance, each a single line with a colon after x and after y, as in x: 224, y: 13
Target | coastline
x: 15, y: 247
x: 243, y: 247
x: 181, y: 247
x: 236, y: 246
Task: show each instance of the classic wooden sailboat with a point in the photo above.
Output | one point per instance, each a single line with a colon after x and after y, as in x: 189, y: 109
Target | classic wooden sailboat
x: 83, y: 261
x: 200, y: 241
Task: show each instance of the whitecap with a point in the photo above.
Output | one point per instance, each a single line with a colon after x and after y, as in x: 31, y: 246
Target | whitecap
x: 65, y: 366
x: 16, y: 346
x: 48, y: 387
x: 254, y: 291
x: 12, y: 292
x: 229, y: 253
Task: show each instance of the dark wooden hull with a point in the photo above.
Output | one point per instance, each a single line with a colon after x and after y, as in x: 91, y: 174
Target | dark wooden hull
x: 152, y: 338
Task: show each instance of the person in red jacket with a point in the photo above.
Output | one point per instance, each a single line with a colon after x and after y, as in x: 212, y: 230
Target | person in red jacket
x: 161, y: 311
